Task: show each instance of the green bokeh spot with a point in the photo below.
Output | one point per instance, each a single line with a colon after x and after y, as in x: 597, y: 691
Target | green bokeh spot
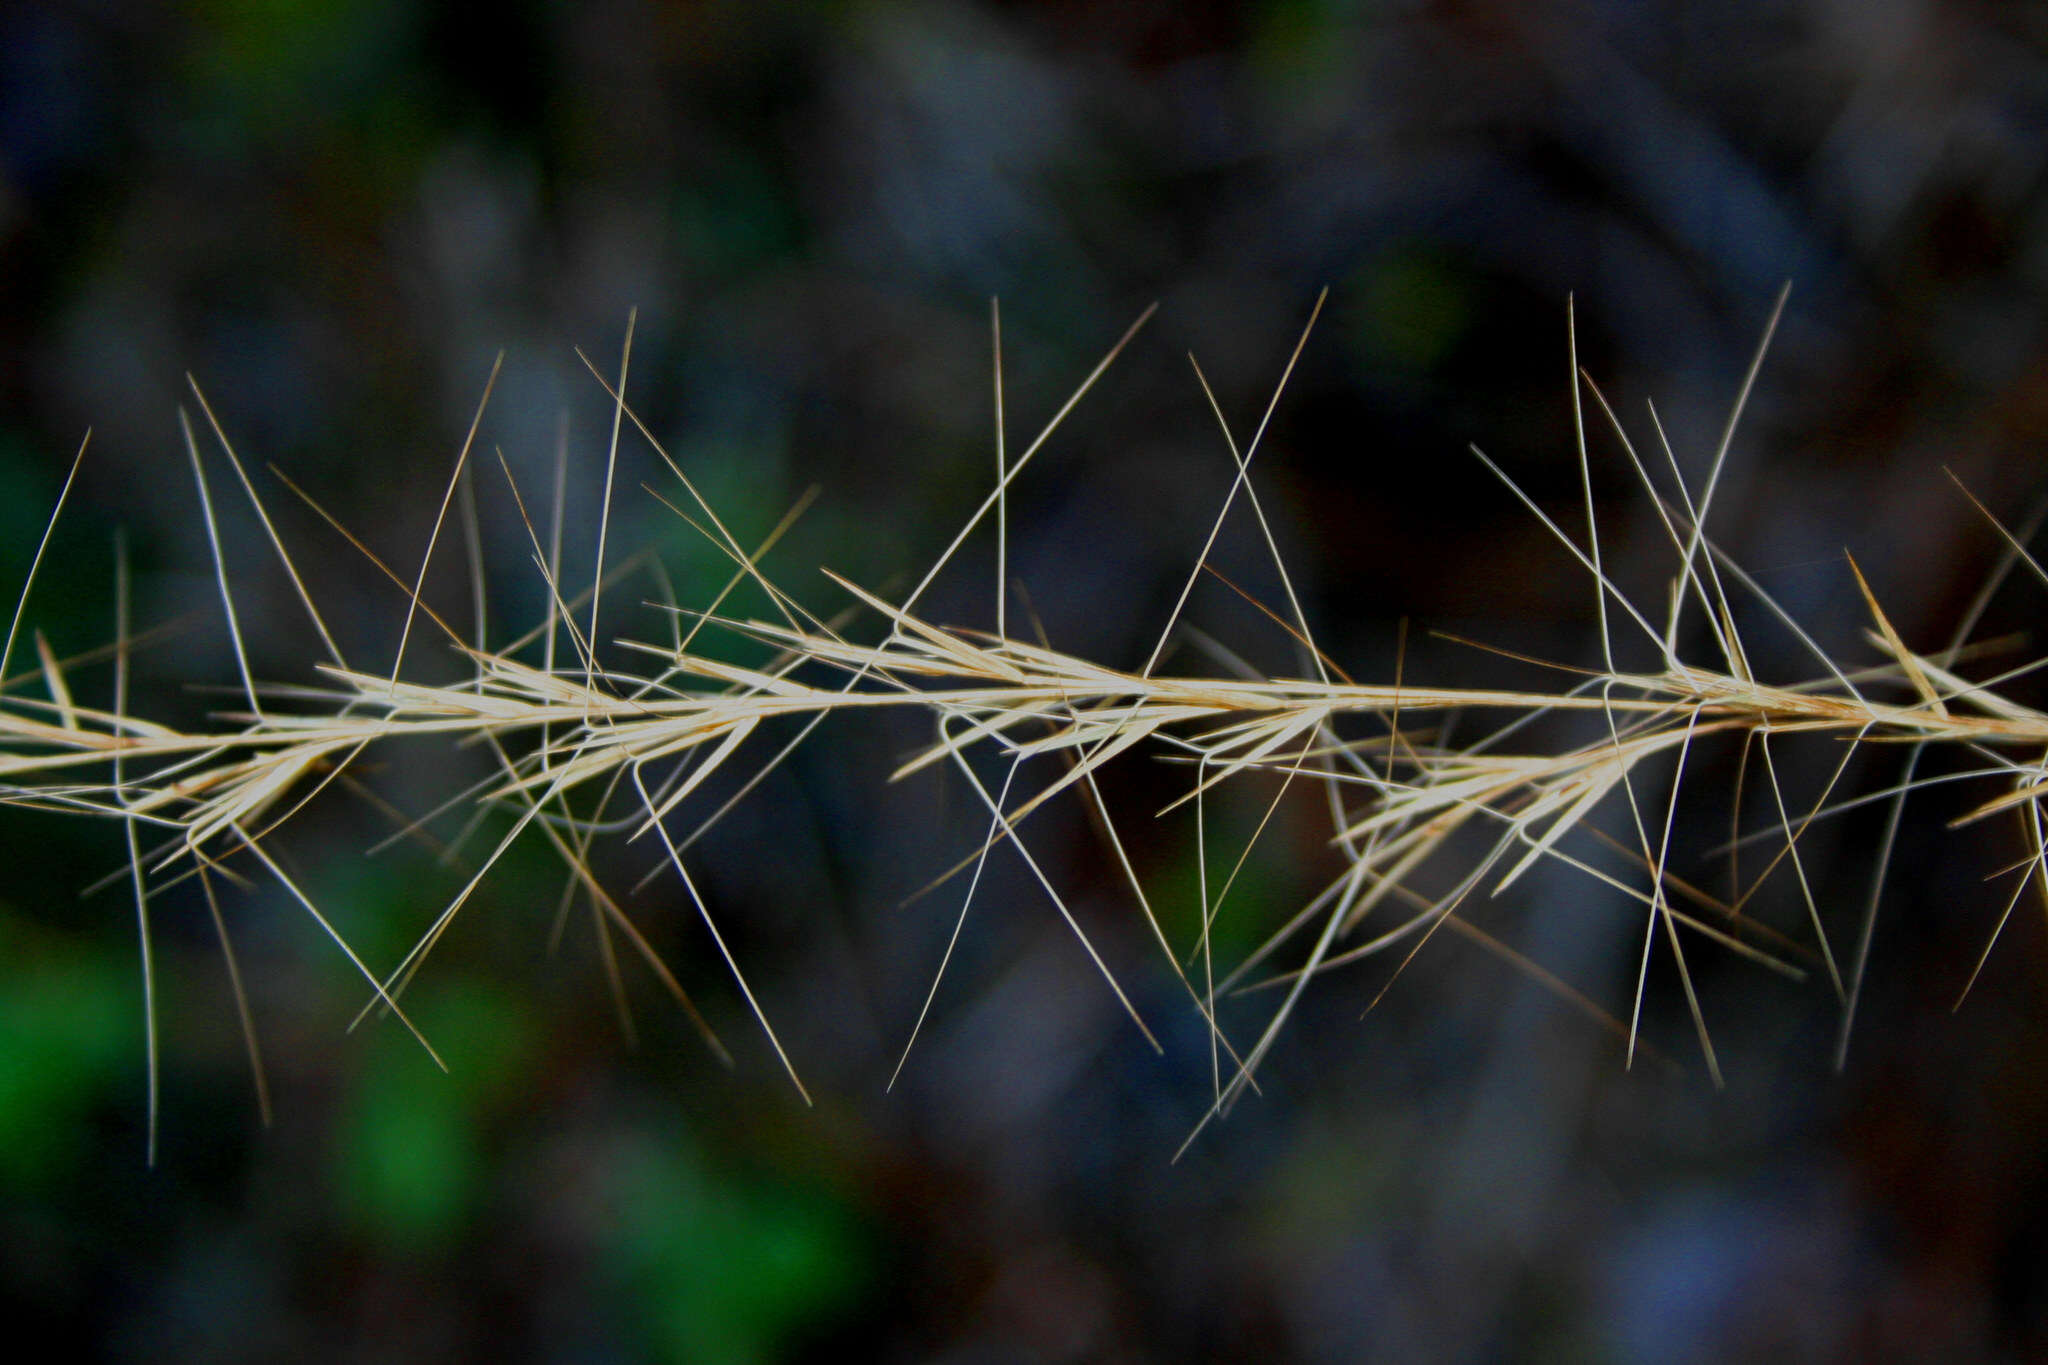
x: 282, y: 53
x: 1251, y: 910
x: 335, y: 82
x: 743, y: 220
x: 412, y: 1159
x: 726, y: 1271
x: 1301, y: 50
x: 68, y: 1024
x: 1412, y: 310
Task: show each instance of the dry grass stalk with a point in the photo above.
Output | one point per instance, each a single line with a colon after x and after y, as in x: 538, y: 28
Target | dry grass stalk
x: 572, y: 738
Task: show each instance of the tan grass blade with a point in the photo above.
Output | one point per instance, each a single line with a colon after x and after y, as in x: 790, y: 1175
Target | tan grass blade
x: 434, y: 536
x: 35, y: 562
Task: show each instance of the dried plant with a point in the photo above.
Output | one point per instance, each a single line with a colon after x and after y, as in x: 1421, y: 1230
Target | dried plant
x: 574, y: 736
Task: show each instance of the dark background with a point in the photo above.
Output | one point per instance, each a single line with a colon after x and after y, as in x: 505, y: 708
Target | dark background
x: 335, y: 213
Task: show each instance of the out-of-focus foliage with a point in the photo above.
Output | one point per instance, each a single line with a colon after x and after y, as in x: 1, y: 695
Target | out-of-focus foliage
x: 335, y: 214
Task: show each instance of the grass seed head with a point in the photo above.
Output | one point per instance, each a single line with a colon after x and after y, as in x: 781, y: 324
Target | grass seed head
x: 626, y: 737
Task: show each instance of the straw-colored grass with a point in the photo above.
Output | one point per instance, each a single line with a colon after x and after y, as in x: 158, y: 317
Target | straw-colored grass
x: 575, y: 732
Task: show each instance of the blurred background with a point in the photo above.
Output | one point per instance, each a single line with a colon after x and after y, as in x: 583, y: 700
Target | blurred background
x: 334, y: 214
